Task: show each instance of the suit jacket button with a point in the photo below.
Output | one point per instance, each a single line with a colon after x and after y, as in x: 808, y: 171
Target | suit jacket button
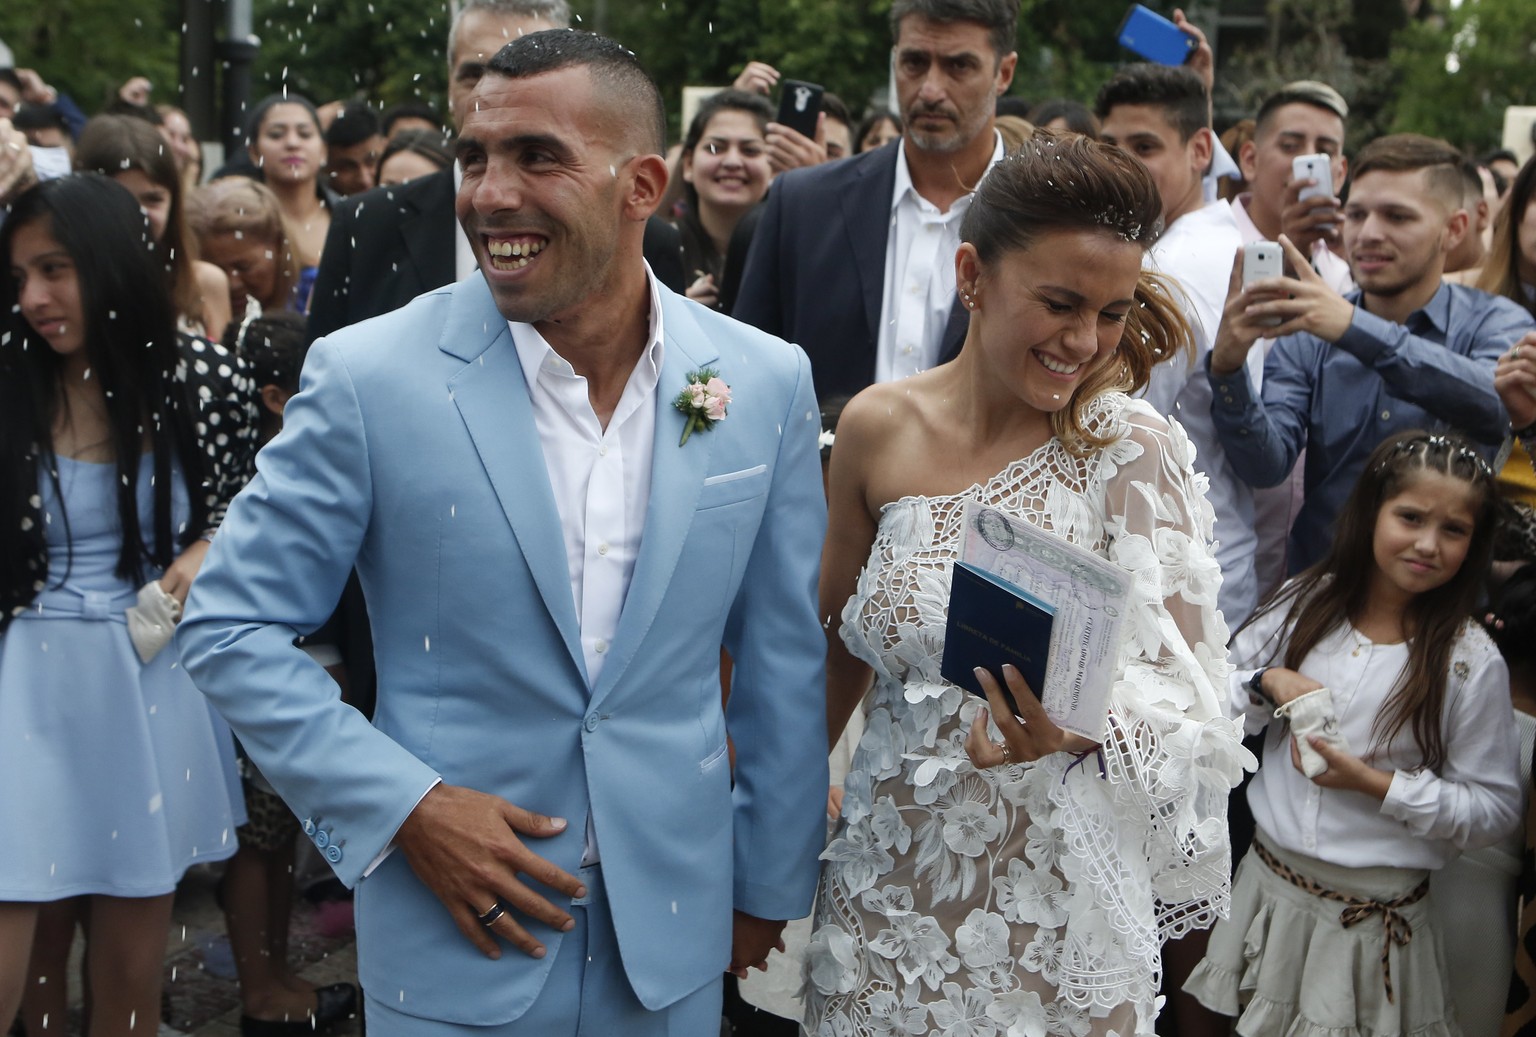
x: 591, y: 724
x: 322, y: 838
x: 333, y: 854
x: 309, y: 827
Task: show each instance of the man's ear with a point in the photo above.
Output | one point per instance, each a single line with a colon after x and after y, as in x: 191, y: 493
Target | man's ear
x: 647, y: 176
x: 1456, y: 225
x: 1005, y: 69
x: 1248, y: 159
x: 1201, y: 147
x: 1484, y: 218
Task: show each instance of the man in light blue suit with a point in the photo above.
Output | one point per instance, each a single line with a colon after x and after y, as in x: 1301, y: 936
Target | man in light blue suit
x: 542, y: 824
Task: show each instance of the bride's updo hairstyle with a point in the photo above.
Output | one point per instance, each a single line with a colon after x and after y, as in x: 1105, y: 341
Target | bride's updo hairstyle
x: 1072, y: 183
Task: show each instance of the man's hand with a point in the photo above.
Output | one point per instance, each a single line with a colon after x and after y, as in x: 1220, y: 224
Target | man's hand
x: 34, y: 90
x: 1514, y: 379
x: 1238, y: 330
x: 757, y: 78
x: 1306, y: 222
x: 1306, y: 303
x: 751, y: 940
x: 177, y: 581
x: 788, y: 149
x: 463, y: 846
x: 16, y: 172
x: 1201, y: 60
x: 135, y: 91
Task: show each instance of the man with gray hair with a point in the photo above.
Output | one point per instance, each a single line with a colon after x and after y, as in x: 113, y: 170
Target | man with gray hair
x: 387, y: 246
x: 883, y: 227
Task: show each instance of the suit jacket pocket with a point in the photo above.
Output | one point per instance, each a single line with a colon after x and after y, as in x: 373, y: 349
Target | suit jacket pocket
x: 731, y: 487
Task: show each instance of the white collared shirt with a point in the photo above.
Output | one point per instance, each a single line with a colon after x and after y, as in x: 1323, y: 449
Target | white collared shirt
x: 601, y: 479
x: 1197, y: 251
x: 919, y: 275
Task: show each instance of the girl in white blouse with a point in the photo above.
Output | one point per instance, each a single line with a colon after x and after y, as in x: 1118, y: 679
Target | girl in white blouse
x: 1372, y: 678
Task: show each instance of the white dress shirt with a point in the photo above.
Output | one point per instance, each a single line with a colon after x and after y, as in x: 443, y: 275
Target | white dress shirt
x: 919, y: 275
x: 601, y: 478
x: 1427, y: 818
x: 1197, y: 251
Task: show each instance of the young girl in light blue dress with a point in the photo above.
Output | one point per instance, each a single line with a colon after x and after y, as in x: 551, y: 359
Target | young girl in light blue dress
x: 121, y: 443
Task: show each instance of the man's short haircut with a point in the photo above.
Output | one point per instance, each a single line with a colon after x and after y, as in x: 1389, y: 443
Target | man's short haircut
x: 1174, y: 89
x: 1408, y: 152
x: 412, y: 109
x: 355, y: 123
x: 999, y: 17
x: 613, y: 68
x: 1471, y: 183
x: 556, y: 12
x: 1303, y: 91
x: 9, y: 77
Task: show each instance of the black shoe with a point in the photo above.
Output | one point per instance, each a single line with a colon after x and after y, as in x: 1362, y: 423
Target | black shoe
x: 333, y: 1004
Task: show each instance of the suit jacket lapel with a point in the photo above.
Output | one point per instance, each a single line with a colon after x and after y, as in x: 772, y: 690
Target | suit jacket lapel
x: 677, y: 476
x: 492, y: 397
x: 867, y: 218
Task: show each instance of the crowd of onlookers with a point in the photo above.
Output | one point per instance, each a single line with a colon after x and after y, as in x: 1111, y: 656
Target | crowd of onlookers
x: 1412, y: 285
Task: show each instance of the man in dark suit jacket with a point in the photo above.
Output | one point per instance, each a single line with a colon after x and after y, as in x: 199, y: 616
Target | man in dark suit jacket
x: 816, y: 272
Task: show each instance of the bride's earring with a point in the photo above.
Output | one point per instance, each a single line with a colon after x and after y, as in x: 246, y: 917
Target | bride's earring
x: 968, y: 296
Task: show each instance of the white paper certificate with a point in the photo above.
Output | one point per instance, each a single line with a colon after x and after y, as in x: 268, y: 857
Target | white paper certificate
x: 1089, y: 594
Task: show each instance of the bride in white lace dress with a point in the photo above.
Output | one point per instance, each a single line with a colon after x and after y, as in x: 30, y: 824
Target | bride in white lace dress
x: 1024, y: 891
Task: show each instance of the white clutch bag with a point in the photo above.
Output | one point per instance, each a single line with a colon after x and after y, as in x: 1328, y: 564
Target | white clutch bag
x: 152, y: 621
x: 1312, y: 715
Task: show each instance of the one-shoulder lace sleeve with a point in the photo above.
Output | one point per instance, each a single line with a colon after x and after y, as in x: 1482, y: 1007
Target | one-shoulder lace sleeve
x: 1172, y: 754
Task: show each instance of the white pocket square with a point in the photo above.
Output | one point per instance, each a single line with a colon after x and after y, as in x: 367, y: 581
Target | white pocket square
x: 152, y: 621
x: 745, y: 473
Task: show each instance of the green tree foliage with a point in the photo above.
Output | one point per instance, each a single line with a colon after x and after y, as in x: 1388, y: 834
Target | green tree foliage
x: 378, y: 50
x: 1458, y: 72
x: 88, y: 48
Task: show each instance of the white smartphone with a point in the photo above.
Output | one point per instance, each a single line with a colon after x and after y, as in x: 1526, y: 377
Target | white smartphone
x: 1314, y: 167
x: 1263, y: 259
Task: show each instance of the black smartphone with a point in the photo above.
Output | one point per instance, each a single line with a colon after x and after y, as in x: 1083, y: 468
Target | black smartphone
x: 799, y: 105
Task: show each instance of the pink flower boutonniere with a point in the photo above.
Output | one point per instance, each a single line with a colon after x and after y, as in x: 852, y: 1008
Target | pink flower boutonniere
x: 702, y: 401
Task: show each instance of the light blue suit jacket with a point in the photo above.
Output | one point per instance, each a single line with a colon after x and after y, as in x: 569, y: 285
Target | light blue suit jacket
x: 411, y: 452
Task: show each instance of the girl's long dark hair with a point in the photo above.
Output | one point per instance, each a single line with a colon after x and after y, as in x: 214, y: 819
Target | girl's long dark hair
x: 1334, y: 591
x: 131, y: 346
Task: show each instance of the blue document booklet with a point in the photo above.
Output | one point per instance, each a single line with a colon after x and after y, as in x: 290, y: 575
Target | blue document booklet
x: 992, y: 622
x: 1025, y: 596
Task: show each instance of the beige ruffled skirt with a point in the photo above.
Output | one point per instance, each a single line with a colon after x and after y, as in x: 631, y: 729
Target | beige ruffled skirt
x: 1284, y: 965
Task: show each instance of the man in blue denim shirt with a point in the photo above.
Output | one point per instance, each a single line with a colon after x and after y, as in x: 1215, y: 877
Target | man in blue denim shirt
x: 1404, y: 351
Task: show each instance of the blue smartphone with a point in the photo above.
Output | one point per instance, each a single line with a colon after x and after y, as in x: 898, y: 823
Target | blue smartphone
x: 1154, y: 37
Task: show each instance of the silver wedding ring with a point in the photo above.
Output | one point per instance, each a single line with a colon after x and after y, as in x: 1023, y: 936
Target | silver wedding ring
x: 491, y: 915
x: 1515, y: 353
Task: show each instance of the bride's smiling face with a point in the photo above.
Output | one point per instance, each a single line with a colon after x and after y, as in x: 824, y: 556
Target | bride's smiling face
x: 1046, y: 317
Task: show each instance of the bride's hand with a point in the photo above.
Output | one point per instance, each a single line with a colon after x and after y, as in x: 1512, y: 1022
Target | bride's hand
x: 1026, y: 738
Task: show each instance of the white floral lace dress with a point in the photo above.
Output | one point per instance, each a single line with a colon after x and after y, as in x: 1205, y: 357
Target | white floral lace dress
x: 1032, y: 900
